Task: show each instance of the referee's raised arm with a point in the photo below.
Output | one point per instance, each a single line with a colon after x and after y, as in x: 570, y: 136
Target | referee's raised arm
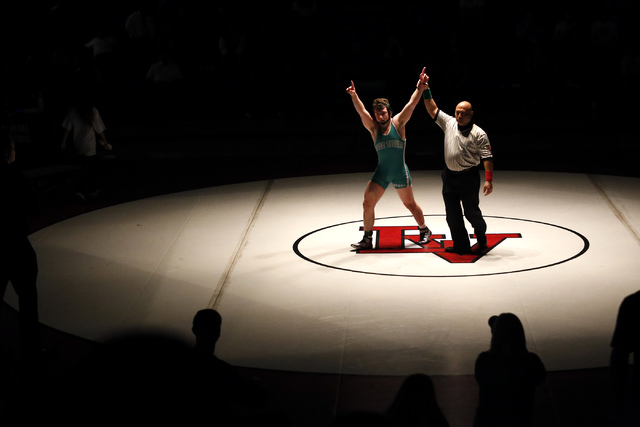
x: 429, y: 103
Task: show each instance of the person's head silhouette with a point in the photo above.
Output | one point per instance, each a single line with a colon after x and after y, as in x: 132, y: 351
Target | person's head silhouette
x: 507, y: 332
x: 206, y: 328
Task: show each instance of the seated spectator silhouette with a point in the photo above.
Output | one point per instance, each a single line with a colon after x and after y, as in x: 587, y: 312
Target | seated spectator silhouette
x: 143, y: 377
x: 415, y: 404
x: 166, y: 87
x: 18, y: 261
x: 84, y: 126
x: 165, y: 72
x: 234, y: 396
x: 140, y: 29
x: 625, y: 379
x: 507, y: 375
x: 103, y: 48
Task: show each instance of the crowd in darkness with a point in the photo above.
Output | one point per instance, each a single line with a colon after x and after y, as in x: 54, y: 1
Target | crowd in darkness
x: 161, y: 60
x: 237, y: 59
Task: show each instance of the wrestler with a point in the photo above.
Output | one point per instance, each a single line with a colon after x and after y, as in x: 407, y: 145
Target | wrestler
x: 388, y: 134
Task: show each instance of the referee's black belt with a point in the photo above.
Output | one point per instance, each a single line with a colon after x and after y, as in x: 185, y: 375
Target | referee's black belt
x: 462, y: 172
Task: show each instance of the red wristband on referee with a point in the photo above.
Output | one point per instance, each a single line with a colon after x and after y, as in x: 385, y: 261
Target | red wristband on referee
x: 488, y: 176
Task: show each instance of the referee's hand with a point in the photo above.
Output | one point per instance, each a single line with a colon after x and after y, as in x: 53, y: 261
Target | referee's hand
x: 488, y: 188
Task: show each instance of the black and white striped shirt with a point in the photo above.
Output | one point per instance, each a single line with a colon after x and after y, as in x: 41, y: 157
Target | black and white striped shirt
x: 462, y: 150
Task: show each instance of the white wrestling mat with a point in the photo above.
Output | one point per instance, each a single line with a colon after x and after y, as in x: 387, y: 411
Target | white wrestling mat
x: 274, y: 258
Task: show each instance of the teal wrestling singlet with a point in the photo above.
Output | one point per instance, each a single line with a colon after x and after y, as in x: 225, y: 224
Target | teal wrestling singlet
x: 391, y: 167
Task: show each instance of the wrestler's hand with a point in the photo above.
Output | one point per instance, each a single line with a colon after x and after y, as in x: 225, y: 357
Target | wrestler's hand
x: 424, y: 79
x: 488, y: 188
x: 351, y: 90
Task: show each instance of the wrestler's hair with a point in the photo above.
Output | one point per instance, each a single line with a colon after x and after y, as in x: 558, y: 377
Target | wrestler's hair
x: 380, y: 103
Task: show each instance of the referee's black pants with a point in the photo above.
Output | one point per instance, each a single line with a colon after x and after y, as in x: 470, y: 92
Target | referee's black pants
x: 460, y: 191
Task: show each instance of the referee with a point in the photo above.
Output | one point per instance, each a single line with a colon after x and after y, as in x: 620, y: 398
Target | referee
x: 466, y: 145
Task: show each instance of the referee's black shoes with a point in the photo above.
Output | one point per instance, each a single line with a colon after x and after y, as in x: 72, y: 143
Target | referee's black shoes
x: 476, y: 250
x: 459, y: 251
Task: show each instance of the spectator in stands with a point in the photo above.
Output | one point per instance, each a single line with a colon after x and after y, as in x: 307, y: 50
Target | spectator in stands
x: 507, y: 375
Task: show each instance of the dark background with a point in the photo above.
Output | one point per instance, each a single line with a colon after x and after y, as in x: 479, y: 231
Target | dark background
x: 554, y: 84
x: 552, y: 93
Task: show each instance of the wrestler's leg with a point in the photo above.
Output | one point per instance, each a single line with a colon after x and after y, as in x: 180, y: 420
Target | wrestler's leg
x: 372, y: 195
x: 406, y: 195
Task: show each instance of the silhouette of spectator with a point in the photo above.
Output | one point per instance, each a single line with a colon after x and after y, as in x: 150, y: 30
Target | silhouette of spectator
x: 63, y: 61
x: 415, y: 404
x: 103, y: 53
x: 625, y: 381
x: 472, y: 13
x: 166, y: 85
x: 83, y: 123
x: 140, y: 24
x: 207, y: 326
x: 507, y: 375
x: 173, y: 26
x: 304, y: 9
x: 140, y: 377
x: 530, y: 29
x: 227, y: 391
x: 103, y: 45
x: 604, y: 31
x: 140, y: 28
x: 566, y: 32
x: 165, y: 72
x: 18, y: 261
